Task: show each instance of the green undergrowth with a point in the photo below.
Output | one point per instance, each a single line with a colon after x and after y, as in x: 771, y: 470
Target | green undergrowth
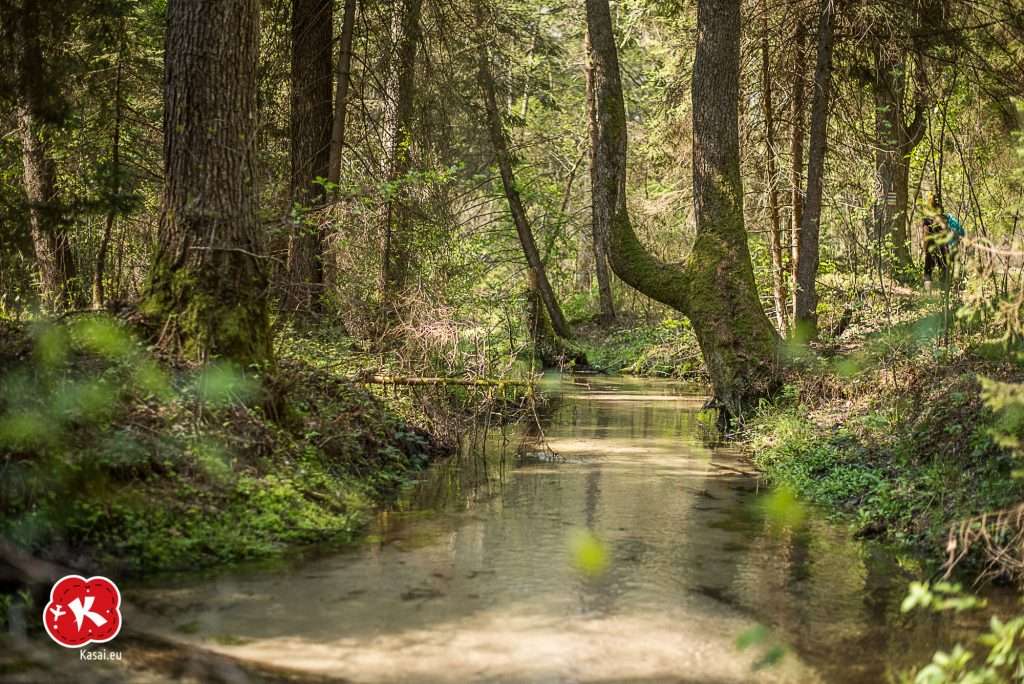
x: 904, y: 446
x: 117, y: 461
x: 665, y: 347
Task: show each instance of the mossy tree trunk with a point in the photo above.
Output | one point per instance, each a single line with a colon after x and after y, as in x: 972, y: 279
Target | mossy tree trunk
x: 539, y: 277
x: 311, y: 124
x: 715, y: 288
x: 208, y: 288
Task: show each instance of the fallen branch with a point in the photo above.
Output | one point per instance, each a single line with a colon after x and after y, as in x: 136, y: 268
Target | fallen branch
x: 414, y: 380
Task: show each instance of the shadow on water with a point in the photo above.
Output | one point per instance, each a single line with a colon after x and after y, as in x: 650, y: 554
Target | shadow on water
x: 471, y: 575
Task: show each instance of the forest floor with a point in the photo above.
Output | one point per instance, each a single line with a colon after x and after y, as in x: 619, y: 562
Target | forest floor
x: 116, y: 461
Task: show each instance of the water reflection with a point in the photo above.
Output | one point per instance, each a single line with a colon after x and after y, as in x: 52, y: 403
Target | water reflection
x: 471, y: 576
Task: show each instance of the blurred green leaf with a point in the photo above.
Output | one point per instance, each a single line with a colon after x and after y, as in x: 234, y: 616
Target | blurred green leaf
x: 589, y: 554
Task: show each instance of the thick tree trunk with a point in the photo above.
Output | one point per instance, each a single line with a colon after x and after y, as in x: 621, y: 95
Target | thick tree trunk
x: 805, y: 318
x: 208, y: 287
x: 539, y: 278
x: 894, y: 142
x: 599, y: 217
x: 46, y: 217
x: 311, y: 121
x: 398, y: 108
x: 342, y: 78
x: 716, y: 289
x: 796, y: 149
x: 775, y: 222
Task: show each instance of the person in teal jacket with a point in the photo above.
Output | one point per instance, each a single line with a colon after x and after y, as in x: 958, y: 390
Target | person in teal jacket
x: 942, y: 234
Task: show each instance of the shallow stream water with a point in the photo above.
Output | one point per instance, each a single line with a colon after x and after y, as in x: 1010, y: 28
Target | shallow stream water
x: 475, y: 578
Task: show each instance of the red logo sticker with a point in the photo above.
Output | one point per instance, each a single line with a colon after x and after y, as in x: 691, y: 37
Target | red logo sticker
x: 83, y: 611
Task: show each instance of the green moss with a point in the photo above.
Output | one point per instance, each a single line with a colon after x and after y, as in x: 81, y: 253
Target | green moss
x: 893, y: 471
x: 193, y: 476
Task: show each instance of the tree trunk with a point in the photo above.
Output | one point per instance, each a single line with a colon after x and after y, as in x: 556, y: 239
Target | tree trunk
x: 98, y: 289
x: 311, y: 121
x: 599, y: 228
x: 806, y: 318
x: 894, y: 142
x: 208, y: 287
x: 716, y: 288
x: 775, y: 223
x: 398, y: 110
x: 50, y: 240
x: 796, y: 148
x: 539, y: 278
x: 343, y: 78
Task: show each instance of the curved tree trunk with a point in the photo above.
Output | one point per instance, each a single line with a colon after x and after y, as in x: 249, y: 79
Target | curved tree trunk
x: 716, y: 288
x: 311, y: 121
x: 539, y: 278
x: 805, y: 313
x: 208, y: 287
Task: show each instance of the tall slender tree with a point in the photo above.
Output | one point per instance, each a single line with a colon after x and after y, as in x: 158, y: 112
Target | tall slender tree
x: 599, y: 228
x: 798, y: 131
x: 208, y: 288
x: 772, y: 177
x: 716, y: 288
x: 895, y: 140
x: 311, y: 122
x: 806, y: 296
x: 342, y: 80
x: 499, y: 141
x: 400, y: 88
x: 33, y: 108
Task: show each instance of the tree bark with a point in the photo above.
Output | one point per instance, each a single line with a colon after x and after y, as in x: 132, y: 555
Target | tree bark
x: 208, y: 288
x: 47, y: 225
x: 805, y: 314
x: 599, y: 217
x: 98, y: 289
x: 398, y: 109
x: 796, y: 148
x: 775, y: 223
x: 895, y: 140
x: 311, y: 121
x: 343, y: 78
x: 716, y: 288
x: 539, y: 278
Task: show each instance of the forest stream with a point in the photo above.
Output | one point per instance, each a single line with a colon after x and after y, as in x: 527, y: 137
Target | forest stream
x: 473, y: 578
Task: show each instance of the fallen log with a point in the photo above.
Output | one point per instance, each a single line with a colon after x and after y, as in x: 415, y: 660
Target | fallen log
x: 416, y: 380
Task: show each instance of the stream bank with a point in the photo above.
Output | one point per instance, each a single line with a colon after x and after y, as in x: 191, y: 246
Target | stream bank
x: 119, y: 462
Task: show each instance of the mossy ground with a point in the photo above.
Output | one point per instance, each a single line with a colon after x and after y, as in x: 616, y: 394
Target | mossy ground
x: 887, y: 427
x: 115, y: 461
